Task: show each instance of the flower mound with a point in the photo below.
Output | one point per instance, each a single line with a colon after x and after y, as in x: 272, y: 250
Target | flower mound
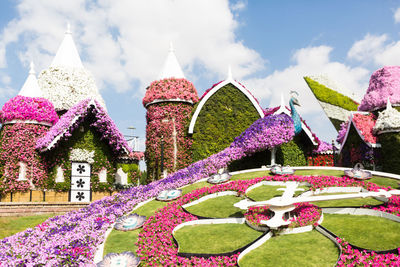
x: 384, y: 83
x: 29, y: 108
x: 365, y: 124
x: 171, y: 88
x: 265, y: 133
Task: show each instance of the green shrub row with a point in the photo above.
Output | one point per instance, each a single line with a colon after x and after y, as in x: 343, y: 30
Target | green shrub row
x: 295, y: 152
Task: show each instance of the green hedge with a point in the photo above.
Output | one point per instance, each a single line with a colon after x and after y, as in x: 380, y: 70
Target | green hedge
x: 225, y: 115
x: 294, y: 153
x: 88, y: 139
x: 327, y: 95
x: 251, y: 162
x: 390, y: 152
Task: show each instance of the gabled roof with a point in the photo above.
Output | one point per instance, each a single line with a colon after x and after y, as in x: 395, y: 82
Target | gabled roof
x: 215, y: 89
x: 171, y: 68
x: 67, y: 54
x: 284, y: 109
x: 31, y: 87
x: 73, y: 118
x: 364, y: 123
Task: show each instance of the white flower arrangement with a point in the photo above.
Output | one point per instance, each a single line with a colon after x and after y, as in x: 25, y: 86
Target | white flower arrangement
x: 66, y: 86
x: 78, y: 154
x: 388, y: 121
x: 335, y: 112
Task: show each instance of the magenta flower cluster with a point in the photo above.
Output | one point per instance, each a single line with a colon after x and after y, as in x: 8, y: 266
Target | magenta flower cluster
x: 29, y: 108
x: 342, y: 132
x: 265, y: 133
x: 171, y: 88
x: 384, y: 83
x: 73, y: 117
x: 365, y: 124
x: 323, y: 147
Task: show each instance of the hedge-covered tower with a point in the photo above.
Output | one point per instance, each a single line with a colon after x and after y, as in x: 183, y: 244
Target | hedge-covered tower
x: 25, y: 118
x: 169, y: 102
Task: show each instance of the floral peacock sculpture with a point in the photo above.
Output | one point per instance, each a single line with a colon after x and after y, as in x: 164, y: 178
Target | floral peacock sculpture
x: 295, y: 116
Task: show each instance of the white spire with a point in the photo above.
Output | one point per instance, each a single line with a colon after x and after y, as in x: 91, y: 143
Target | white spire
x: 67, y: 54
x: 171, y: 68
x: 388, y: 104
x: 31, y: 86
x: 229, y: 73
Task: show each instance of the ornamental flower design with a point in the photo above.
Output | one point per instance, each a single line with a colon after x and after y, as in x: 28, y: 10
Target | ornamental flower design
x: 129, y: 222
x: 126, y: 258
x: 169, y: 195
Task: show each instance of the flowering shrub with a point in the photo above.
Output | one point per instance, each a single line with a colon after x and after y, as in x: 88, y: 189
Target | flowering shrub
x: 66, y: 86
x: 71, y: 120
x: 354, y: 257
x: 265, y: 133
x: 321, y: 160
x: 171, y: 88
x: 29, y: 108
x: 342, y: 131
x: 365, y: 124
x: 79, y: 154
x: 384, y: 83
x: 305, y: 214
x: 163, y: 120
x: 255, y: 215
x: 18, y: 145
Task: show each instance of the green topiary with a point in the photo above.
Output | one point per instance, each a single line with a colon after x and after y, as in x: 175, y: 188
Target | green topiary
x: 295, y: 152
x: 225, y: 115
x: 324, y: 94
x: 390, y: 152
x: 251, y: 162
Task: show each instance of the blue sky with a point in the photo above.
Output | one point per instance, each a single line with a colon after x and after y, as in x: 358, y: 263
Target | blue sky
x: 270, y: 45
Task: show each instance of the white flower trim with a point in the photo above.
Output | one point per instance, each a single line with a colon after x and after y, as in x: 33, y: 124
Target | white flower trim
x: 335, y: 112
x: 84, y: 155
x: 66, y: 86
x: 388, y: 121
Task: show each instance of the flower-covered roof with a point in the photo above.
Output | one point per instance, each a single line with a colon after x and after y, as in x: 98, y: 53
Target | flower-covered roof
x: 170, y: 89
x: 364, y: 124
x: 388, y: 120
x: 215, y: 89
x: 384, y: 83
x: 24, y: 108
x: 66, y: 82
x: 71, y: 120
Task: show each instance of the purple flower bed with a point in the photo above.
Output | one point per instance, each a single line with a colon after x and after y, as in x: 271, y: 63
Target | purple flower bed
x: 29, y: 108
x: 103, y: 123
x: 72, y: 238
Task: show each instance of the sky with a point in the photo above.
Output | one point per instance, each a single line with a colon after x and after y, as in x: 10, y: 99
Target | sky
x: 270, y: 45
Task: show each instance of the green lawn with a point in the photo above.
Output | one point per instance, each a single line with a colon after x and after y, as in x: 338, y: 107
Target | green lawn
x: 119, y: 241
x: 385, y: 181
x: 265, y: 192
x: 369, y: 232
x: 306, y: 249
x: 352, y: 202
x: 219, y: 207
x: 13, y: 225
x: 214, y: 238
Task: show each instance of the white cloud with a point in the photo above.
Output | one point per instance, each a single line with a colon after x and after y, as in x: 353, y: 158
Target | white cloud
x: 239, y: 5
x: 377, y: 50
x: 309, y: 61
x: 365, y: 50
x: 126, y: 41
x: 397, y: 15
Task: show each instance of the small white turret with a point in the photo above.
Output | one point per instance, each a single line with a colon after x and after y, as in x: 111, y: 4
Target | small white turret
x: 171, y: 68
x: 31, y: 87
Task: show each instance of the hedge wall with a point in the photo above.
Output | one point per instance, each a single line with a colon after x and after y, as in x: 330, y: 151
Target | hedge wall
x: 225, y: 115
x: 295, y: 152
x: 390, y: 152
x: 90, y: 140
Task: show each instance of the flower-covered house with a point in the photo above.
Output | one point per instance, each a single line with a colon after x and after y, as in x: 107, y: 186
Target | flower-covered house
x: 80, y: 152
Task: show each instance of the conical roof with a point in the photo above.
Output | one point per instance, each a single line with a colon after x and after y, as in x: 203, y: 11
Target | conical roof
x: 67, y: 54
x: 66, y: 82
x: 388, y: 120
x: 31, y: 87
x: 171, y: 68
